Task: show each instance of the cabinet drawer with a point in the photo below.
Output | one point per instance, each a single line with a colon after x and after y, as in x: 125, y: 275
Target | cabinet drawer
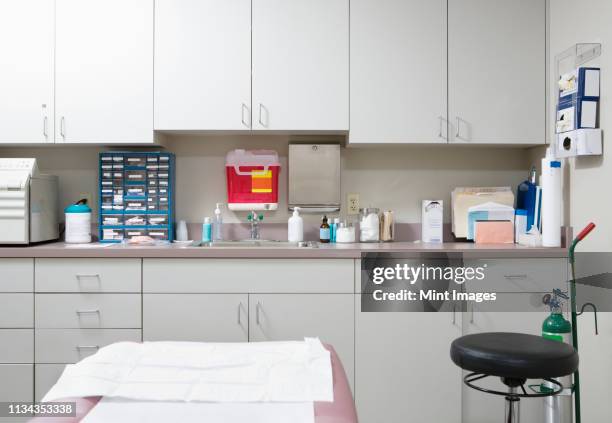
x: 16, y: 310
x: 88, y: 311
x: 88, y: 275
x: 46, y: 376
x: 17, y: 346
x: 195, y: 317
x: 16, y: 382
x: 519, y: 275
x: 72, y: 345
x: 248, y: 275
x: 17, y: 275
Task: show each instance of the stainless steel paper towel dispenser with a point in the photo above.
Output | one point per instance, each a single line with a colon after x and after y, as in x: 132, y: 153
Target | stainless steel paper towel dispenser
x: 314, y: 177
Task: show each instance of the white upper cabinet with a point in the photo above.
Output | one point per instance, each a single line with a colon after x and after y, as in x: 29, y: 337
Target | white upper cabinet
x: 496, y: 67
x: 26, y: 71
x: 202, y: 65
x: 104, y: 71
x: 300, y: 65
x: 398, y: 71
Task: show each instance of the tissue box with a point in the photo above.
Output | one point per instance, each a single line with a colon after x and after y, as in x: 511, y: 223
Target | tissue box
x: 580, y: 83
x: 494, y: 232
x: 576, y: 113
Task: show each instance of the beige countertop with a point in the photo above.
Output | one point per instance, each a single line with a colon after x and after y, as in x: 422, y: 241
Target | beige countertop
x: 97, y: 250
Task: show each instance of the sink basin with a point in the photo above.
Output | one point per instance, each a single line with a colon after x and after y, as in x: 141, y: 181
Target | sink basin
x: 250, y: 243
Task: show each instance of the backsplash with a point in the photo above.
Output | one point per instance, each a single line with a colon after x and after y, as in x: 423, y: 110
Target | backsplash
x: 390, y: 177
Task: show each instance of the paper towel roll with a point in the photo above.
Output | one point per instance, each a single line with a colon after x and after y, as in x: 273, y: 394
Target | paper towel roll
x: 551, y: 201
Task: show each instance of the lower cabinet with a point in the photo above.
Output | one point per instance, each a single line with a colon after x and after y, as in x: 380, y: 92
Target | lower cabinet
x: 330, y: 317
x: 403, y: 367
x: 46, y: 376
x: 21, y: 386
x: 196, y: 317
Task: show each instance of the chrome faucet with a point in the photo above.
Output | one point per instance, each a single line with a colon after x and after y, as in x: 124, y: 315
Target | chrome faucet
x: 254, y: 218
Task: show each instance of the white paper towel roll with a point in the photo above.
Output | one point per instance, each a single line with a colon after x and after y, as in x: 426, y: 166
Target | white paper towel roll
x: 551, y: 201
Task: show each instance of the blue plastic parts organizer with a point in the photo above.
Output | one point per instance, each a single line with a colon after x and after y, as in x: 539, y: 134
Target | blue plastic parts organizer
x: 136, y: 195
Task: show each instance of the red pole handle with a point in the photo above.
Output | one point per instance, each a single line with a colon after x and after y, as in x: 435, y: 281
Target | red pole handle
x: 587, y: 229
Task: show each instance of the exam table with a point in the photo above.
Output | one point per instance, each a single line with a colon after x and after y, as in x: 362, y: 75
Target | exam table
x: 341, y: 410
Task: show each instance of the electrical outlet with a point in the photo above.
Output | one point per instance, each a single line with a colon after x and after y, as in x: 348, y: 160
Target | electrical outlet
x: 353, y: 203
x: 87, y: 196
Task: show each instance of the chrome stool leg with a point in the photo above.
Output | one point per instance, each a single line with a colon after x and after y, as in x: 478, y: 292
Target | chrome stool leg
x: 512, y: 413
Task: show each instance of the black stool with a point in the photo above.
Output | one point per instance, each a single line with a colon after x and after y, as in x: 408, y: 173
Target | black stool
x: 514, y: 357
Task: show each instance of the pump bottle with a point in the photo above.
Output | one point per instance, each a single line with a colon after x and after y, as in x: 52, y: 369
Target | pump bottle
x: 295, y: 227
x: 218, y: 224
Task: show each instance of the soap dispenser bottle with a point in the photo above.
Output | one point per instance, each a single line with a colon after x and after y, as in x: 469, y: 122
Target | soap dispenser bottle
x: 295, y: 229
x: 218, y: 224
x: 324, y: 231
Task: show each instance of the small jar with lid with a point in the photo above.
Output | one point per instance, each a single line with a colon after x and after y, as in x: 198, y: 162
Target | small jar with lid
x: 345, y: 233
x: 369, y: 225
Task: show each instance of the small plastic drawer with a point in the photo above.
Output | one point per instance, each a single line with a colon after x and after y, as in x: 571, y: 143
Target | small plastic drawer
x: 106, y: 159
x: 152, y: 160
x: 135, y: 190
x: 151, y: 191
x: 162, y: 192
x: 164, y: 159
x: 118, y: 166
x: 106, y: 166
x: 106, y: 190
x: 163, y: 199
x: 158, y: 219
x: 112, y: 219
x: 107, y: 200
x: 135, y: 161
x: 107, y: 183
x: 135, y: 175
x: 152, y: 183
x: 118, y: 190
x: 112, y: 234
x: 161, y: 234
x: 135, y: 220
x: 131, y: 233
x: 136, y: 205
x: 151, y: 174
x: 162, y: 183
x: 162, y: 174
x: 117, y: 160
x: 107, y: 174
x: 118, y: 183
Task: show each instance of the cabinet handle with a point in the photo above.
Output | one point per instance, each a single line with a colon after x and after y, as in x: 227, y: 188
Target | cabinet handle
x: 261, y: 109
x: 513, y: 277
x: 87, y: 275
x: 62, y: 127
x: 454, y: 318
x: 88, y: 312
x: 458, y: 124
x: 45, y: 126
x: 87, y: 347
x: 239, y: 312
x: 246, y: 122
x: 257, y: 308
x: 441, y: 119
x: 472, y: 315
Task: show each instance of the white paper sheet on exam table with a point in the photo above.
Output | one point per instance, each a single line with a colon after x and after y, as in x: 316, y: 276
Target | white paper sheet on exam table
x: 119, y: 410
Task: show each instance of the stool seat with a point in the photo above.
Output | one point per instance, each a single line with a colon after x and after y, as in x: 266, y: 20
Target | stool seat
x: 514, y: 355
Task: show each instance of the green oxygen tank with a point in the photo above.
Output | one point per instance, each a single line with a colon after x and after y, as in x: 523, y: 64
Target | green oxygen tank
x: 558, y: 408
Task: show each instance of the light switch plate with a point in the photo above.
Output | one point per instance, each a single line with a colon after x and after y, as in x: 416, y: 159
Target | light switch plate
x: 353, y: 203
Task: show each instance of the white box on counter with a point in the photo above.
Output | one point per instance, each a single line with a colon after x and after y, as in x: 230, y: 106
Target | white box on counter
x: 432, y: 221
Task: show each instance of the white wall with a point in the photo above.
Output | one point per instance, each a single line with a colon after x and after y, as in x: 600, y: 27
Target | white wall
x: 588, y: 188
x: 396, y: 178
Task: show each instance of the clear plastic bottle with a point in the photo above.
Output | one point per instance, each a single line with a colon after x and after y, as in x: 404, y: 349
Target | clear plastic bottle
x: 218, y: 223
x: 295, y: 227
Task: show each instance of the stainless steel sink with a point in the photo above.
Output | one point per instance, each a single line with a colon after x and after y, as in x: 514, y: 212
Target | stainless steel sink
x: 251, y: 243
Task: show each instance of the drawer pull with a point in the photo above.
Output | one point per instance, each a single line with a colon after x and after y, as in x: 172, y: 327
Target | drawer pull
x: 515, y: 276
x: 87, y: 347
x: 239, y: 312
x: 257, y: 309
x: 79, y: 312
x: 81, y: 276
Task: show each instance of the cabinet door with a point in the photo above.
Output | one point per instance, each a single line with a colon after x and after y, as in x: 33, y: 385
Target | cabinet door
x: 283, y: 317
x: 398, y: 71
x: 300, y: 65
x: 195, y: 317
x: 26, y: 71
x: 202, y: 64
x: 529, y: 314
x: 104, y: 71
x: 497, y: 71
x: 403, y: 366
